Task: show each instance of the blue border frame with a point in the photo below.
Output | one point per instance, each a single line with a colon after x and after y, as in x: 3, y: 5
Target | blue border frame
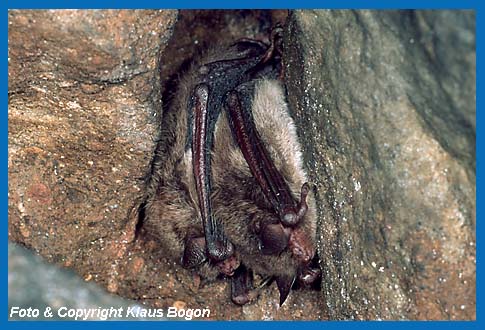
x: 254, y: 4
x: 239, y: 4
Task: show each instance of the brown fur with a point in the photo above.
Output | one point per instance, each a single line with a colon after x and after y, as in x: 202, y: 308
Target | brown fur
x: 171, y: 208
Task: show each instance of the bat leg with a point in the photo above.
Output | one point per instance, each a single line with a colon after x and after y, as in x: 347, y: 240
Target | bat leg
x: 272, y: 183
x: 242, y: 290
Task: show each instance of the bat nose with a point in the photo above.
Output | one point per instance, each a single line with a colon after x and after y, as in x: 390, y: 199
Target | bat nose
x: 300, y: 254
x: 301, y: 246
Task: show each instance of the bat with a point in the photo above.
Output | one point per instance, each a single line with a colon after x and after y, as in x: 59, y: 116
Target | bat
x: 227, y: 192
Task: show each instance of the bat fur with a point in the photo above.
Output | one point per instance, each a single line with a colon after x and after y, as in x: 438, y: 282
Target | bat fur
x: 171, y: 210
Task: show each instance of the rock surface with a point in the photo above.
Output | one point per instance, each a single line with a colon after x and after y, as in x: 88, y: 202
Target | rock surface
x: 34, y: 284
x: 385, y: 104
x: 84, y: 108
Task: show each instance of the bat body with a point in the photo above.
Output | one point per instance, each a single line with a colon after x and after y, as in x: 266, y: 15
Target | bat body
x: 237, y: 197
x: 227, y: 174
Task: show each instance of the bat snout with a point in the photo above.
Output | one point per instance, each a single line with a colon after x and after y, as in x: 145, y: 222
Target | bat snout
x: 301, y: 246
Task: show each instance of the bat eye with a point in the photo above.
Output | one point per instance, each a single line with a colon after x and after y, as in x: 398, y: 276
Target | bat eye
x: 274, y: 239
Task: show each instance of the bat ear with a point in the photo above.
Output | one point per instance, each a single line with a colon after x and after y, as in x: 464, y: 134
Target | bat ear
x: 274, y: 239
x: 284, y: 284
x: 194, y: 252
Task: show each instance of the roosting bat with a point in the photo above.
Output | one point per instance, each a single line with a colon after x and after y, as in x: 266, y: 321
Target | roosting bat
x: 228, y: 193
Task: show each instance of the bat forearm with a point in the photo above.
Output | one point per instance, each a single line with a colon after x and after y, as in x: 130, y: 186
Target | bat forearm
x: 272, y: 183
x: 218, y: 248
x: 199, y: 136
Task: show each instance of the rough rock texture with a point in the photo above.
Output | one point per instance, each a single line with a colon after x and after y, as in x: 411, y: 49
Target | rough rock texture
x: 84, y: 107
x: 84, y: 102
x: 35, y: 284
x: 385, y: 104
